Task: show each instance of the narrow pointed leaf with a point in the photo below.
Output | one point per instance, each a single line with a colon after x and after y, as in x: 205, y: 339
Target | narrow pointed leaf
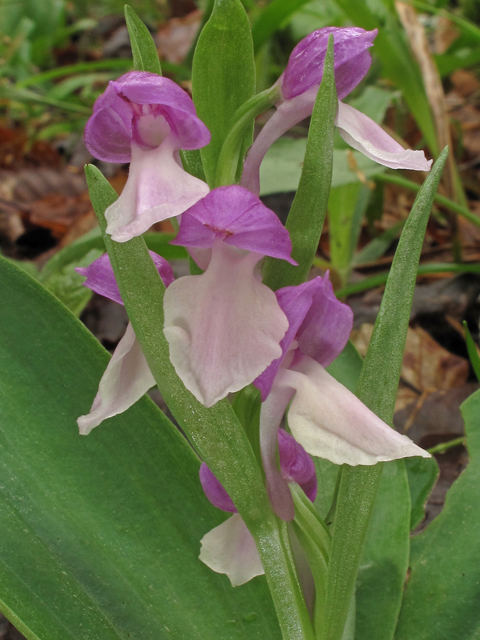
x: 223, y: 76
x: 144, y: 51
x: 307, y: 215
x: 377, y: 389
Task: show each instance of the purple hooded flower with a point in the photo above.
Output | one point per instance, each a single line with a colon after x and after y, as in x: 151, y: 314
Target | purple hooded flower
x: 145, y: 119
x: 298, y: 90
x: 224, y: 327
x: 230, y: 548
x: 127, y: 377
x: 324, y: 417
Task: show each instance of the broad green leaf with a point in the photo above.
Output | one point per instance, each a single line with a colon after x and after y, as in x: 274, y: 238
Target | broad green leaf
x: 307, y: 214
x: 223, y: 76
x: 441, y: 597
x: 281, y: 168
x: 315, y: 15
x: 99, y: 534
x: 377, y: 389
x: 144, y: 51
x: 273, y: 17
x: 216, y: 432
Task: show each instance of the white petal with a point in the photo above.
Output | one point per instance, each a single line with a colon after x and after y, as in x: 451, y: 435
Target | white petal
x: 365, y: 135
x: 156, y: 189
x: 224, y: 327
x: 330, y: 422
x: 230, y: 549
x: 126, y: 379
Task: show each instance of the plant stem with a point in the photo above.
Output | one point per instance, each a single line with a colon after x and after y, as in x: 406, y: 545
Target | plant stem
x: 439, y: 199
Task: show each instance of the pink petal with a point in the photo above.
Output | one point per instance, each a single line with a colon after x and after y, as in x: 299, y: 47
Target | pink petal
x: 224, y: 326
x: 271, y: 415
x: 365, y: 135
x: 239, y: 218
x: 108, y: 132
x: 230, y: 549
x: 143, y: 88
x: 305, y: 65
x: 287, y: 115
x: 327, y: 325
x: 296, y: 465
x: 101, y: 279
x: 126, y: 379
x: 156, y: 189
x: 321, y: 324
x: 330, y: 422
x: 215, y: 491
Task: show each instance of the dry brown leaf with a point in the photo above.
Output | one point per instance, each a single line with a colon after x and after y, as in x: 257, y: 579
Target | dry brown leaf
x: 175, y: 37
x: 427, y: 365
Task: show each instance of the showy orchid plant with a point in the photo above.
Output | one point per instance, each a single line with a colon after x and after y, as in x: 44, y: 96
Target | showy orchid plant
x: 278, y: 422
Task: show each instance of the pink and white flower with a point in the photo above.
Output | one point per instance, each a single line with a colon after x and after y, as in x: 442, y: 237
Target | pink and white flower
x: 298, y: 87
x: 145, y: 119
x: 127, y: 377
x: 224, y: 327
x: 324, y: 417
x: 230, y: 547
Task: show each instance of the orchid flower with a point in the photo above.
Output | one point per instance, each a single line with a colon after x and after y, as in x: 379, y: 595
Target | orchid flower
x: 224, y: 327
x: 127, y: 377
x: 298, y: 87
x: 324, y: 417
x: 230, y: 547
x: 145, y: 119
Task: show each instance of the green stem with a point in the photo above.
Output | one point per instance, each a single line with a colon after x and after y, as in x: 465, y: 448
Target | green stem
x: 215, y: 433
x: 439, y: 199
x: 423, y: 270
x: 445, y: 446
x: 230, y: 153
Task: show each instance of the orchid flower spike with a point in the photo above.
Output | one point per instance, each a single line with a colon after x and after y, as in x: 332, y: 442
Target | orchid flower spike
x: 230, y: 547
x: 298, y: 87
x: 324, y: 417
x: 224, y: 327
x: 145, y: 119
x: 127, y: 377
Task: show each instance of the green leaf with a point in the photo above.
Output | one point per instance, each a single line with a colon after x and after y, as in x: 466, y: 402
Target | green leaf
x: 223, y: 76
x: 384, y: 560
x: 67, y: 285
x: 472, y: 351
x: 422, y: 474
x: 144, y: 51
x: 441, y: 598
x: 377, y: 389
x: 306, y: 217
x: 216, y: 432
x: 281, y: 168
x: 273, y: 17
x: 100, y: 534
x: 346, y: 208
